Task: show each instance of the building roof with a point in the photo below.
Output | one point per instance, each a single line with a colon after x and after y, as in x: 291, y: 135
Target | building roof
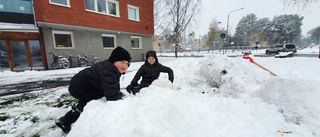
x: 14, y: 27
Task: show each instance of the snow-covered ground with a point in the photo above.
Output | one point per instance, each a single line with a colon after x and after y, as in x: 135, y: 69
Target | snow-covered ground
x: 212, y: 96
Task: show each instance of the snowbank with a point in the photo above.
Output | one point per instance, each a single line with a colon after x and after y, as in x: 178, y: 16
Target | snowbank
x: 233, y: 76
x: 296, y: 97
x: 161, y: 111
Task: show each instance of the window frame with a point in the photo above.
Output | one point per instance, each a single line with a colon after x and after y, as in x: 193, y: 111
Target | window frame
x: 54, y: 3
x: 137, y: 13
x: 107, y: 8
x: 140, y: 42
x: 114, y: 38
x: 15, y: 6
x: 63, y: 32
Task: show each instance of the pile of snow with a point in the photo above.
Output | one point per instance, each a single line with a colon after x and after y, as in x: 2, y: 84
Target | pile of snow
x: 249, y: 102
x: 233, y: 75
x: 161, y: 111
x: 297, y: 98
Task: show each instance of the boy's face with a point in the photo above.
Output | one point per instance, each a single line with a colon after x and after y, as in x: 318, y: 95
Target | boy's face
x: 122, y: 66
x: 151, y: 60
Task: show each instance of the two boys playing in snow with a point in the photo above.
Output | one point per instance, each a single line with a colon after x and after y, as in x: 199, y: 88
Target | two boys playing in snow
x: 103, y: 80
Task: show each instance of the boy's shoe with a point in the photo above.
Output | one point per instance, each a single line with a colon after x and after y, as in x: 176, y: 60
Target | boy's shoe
x: 65, y: 128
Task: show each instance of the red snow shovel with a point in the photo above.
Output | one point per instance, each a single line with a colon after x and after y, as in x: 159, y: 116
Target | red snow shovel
x: 251, y: 60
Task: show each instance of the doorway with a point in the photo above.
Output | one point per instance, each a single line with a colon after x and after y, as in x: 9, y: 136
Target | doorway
x: 20, y: 55
x: 4, y: 64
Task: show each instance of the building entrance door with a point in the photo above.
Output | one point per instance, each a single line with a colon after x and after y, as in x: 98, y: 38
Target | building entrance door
x: 21, y: 51
x: 19, y: 54
x: 4, y: 64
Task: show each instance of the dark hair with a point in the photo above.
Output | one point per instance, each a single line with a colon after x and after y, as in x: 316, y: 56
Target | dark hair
x: 151, y: 53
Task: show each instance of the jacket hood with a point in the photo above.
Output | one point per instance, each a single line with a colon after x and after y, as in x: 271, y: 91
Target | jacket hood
x: 153, y: 54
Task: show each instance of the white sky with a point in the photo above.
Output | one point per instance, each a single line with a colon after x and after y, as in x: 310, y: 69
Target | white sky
x: 262, y: 8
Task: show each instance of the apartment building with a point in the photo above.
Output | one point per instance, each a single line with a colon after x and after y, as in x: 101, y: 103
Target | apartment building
x: 76, y: 27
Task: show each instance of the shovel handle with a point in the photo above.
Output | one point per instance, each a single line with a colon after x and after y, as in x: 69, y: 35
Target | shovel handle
x: 264, y: 68
x: 251, y: 60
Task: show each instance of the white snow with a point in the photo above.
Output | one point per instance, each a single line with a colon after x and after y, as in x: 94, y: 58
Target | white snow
x: 245, y: 101
x: 17, y: 26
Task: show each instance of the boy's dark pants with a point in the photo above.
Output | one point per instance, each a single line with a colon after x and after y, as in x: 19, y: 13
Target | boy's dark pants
x: 74, y: 113
x: 77, y: 107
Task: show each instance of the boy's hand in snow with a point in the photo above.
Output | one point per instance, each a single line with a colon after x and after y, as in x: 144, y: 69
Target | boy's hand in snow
x: 122, y: 94
x: 130, y: 88
x: 171, y: 80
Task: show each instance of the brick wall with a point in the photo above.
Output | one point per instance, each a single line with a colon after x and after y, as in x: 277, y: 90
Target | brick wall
x: 77, y: 15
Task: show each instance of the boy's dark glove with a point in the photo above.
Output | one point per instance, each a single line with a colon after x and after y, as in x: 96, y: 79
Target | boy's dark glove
x: 171, y: 80
x: 136, y: 89
x: 130, y: 87
x: 122, y: 94
x: 116, y: 97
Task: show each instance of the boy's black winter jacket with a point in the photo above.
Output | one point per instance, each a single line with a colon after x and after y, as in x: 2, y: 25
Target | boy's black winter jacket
x: 151, y: 72
x: 99, y: 80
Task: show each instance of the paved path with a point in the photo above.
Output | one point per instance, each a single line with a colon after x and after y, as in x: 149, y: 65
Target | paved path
x: 11, y: 89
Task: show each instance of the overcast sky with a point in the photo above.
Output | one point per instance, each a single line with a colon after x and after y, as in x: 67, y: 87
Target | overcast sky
x: 220, y: 9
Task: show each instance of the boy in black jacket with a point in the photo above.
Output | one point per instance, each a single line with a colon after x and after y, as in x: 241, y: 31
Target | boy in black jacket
x: 100, y: 80
x: 149, y: 71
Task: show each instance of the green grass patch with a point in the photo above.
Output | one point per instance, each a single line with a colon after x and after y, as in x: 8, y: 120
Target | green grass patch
x: 3, y: 132
x: 224, y: 72
x: 53, y: 126
x: 3, y: 118
x: 26, y: 113
x: 16, y: 120
x: 36, y: 135
x: 66, y: 100
x: 35, y: 119
x: 13, y: 106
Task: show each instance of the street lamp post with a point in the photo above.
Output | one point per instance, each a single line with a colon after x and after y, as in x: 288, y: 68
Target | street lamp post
x: 228, y: 24
x: 220, y: 33
x: 199, y: 42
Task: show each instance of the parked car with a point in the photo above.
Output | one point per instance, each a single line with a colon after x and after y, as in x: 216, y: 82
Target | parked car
x: 288, y: 47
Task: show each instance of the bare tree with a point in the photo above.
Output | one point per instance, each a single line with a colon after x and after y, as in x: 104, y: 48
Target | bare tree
x: 304, y: 4
x: 182, y: 13
x: 161, y: 22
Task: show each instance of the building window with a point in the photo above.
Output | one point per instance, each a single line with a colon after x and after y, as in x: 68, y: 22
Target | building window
x: 112, y: 8
x: 136, y: 42
x: 63, y: 40
x: 102, y: 6
x: 133, y: 13
x: 90, y: 5
x: 61, y: 2
x: 16, y: 6
x: 109, y: 41
x: 108, y: 7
